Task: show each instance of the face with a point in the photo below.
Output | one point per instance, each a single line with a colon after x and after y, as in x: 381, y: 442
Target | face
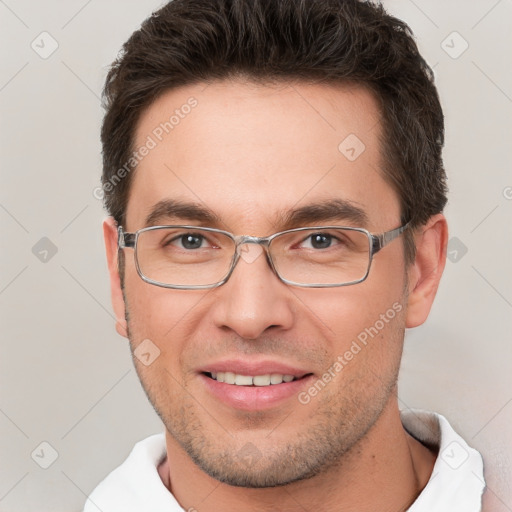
x: 252, y: 155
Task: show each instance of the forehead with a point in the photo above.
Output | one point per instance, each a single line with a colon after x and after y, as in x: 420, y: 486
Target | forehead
x: 249, y: 153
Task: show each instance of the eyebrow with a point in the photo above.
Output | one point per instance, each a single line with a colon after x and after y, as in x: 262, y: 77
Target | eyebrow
x: 173, y: 208
x: 326, y: 211
x: 314, y: 213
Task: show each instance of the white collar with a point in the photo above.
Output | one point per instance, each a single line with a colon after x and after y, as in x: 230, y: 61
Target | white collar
x: 457, y: 480
x: 456, y: 483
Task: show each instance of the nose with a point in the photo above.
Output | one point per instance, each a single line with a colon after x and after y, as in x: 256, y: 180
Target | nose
x: 253, y: 300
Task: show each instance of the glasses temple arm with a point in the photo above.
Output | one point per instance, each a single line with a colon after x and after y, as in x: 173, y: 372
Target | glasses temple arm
x: 380, y: 241
x: 125, y: 239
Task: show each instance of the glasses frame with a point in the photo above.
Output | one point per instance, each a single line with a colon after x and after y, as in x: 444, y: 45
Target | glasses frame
x: 376, y: 243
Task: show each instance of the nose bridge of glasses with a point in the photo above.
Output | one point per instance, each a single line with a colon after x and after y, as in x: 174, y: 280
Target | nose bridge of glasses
x: 241, y: 240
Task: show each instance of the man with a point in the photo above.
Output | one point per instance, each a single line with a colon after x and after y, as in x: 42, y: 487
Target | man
x: 274, y: 177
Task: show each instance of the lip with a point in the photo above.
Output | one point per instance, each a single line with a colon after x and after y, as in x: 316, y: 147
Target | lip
x: 254, y: 398
x: 253, y: 368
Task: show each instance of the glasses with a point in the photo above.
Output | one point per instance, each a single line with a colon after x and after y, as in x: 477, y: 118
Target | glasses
x: 194, y: 258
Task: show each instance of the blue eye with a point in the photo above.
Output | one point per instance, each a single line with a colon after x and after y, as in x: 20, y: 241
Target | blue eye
x: 190, y: 241
x: 320, y: 241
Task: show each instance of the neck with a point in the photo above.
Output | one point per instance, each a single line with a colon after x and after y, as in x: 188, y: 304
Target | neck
x: 387, y: 469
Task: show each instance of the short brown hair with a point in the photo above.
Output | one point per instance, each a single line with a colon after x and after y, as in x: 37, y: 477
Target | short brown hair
x: 315, y: 41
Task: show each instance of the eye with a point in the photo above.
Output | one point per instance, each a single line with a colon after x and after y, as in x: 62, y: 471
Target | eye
x: 319, y: 241
x: 188, y: 241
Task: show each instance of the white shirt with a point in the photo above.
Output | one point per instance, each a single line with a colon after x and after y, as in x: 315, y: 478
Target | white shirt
x: 456, y: 483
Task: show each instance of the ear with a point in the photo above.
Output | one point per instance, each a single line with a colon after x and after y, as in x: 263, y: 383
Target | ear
x: 425, y: 273
x: 110, y: 236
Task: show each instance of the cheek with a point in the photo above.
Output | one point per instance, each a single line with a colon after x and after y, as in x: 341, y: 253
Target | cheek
x: 158, y: 314
x: 159, y: 324
x: 362, y: 327
x: 169, y: 319
x: 342, y: 313
x: 366, y: 351
x: 151, y: 306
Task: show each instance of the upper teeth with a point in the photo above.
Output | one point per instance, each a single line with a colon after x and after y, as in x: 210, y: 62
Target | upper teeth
x: 249, y: 380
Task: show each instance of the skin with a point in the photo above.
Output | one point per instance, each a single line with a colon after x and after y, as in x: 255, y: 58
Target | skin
x: 248, y: 153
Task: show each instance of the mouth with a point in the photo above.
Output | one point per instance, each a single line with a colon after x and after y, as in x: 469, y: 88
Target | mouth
x: 252, y: 387
x: 267, y: 379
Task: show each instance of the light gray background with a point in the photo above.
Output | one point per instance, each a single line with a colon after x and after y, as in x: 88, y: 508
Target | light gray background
x: 67, y: 378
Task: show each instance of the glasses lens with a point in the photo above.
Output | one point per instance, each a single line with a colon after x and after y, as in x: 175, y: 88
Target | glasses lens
x: 327, y: 256
x: 184, y: 256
